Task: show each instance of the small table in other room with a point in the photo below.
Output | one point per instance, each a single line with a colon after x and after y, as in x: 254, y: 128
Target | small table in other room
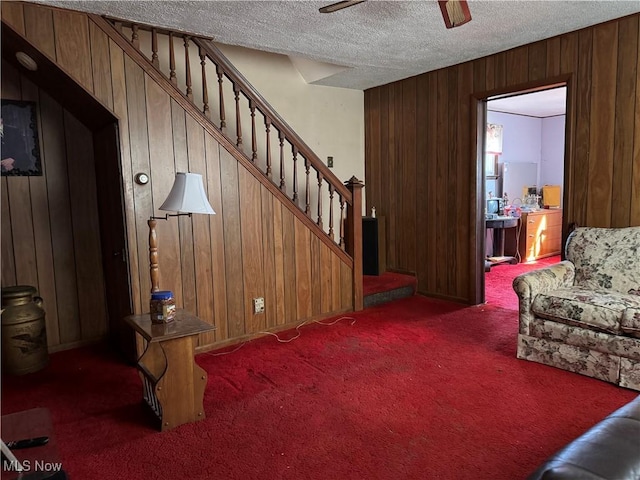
x: 173, y: 383
x: 499, y: 224
x: 39, y: 463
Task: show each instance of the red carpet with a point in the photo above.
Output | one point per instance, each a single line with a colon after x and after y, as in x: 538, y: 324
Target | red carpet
x: 414, y: 389
x: 498, y: 289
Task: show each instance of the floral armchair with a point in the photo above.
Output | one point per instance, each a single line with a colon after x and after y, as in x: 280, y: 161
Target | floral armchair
x: 583, y: 314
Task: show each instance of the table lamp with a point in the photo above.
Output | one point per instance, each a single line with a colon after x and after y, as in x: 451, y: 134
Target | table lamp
x: 187, y: 196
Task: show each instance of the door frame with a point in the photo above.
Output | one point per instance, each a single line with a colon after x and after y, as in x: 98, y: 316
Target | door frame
x: 479, y: 120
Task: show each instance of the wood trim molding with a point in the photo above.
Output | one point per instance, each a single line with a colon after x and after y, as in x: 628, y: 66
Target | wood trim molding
x: 54, y: 79
x: 566, y: 80
x: 527, y: 87
x: 279, y: 328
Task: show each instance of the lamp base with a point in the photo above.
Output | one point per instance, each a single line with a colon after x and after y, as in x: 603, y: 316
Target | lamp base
x: 153, y: 254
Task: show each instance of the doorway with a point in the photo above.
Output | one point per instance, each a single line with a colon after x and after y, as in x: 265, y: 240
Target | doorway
x: 523, y: 178
x: 67, y: 225
x: 113, y: 235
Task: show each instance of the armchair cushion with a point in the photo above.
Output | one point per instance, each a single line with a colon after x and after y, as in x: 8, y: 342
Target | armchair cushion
x: 606, y: 258
x: 597, y: 309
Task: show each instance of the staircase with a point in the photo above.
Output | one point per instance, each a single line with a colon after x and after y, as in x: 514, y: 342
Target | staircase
x: 257, y: 136
x: 206, y: 78
x: 157, y: 102
x: 229, y: 102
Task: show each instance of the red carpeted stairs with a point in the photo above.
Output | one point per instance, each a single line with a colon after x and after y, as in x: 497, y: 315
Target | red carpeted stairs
x: 412, y: 389
x: 386, y: 287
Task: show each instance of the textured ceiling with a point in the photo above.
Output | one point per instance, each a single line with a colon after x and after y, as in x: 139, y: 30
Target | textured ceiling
x: 380, y: 41
x: 542, y: 104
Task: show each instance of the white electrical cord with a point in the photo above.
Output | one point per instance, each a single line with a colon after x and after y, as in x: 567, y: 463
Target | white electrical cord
x: 280, y: 340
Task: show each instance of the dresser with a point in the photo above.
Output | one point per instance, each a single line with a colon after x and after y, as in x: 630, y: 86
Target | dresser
x: 539, y: 235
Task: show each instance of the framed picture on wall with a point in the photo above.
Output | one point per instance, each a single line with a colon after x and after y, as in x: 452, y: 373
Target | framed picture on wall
x: 19, y: 131
x: 494, y: 139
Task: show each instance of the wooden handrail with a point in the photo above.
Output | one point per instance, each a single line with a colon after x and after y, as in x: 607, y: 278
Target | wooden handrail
x: 169, y: 85
x: 241, y: 84
x: 267, y: 110
x: 348, y: 245
x: 224, y: 68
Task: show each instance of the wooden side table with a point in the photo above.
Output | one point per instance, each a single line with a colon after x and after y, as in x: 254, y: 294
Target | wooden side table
x: 499, y: 225
x: 173, y: 384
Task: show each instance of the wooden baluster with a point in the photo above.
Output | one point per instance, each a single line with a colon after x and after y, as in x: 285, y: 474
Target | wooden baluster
x: 320, y: 179
x: 223, y: 123
x: 134, y: 36
x: 236, y: 93
x: 187, y: 67
x: 154, y: 48
x: 267, y: 124
x: 331, y: 192
x: 294, y: 150
x: 254, y: 143
x: 172, y: 61
x: 205, y: 91
x: 307, y: 208
x: 283, y: 187
x: 341, y: 242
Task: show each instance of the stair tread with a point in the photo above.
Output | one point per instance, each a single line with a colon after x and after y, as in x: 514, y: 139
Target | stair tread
x: 386, y: 282
x: 387, y: 287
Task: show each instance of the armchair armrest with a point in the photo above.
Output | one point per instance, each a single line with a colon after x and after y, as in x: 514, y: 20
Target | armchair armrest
x: 530, y: 284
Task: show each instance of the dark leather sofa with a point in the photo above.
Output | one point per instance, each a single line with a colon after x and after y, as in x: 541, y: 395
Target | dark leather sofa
x: 610, y: 450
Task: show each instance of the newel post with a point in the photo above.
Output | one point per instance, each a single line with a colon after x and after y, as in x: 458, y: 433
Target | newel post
x: 353, y: 238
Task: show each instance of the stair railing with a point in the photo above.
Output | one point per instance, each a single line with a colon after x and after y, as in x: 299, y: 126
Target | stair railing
x: 233, y: 106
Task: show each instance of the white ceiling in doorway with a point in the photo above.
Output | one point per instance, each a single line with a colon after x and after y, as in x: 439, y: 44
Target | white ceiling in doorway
x: 546, y: 103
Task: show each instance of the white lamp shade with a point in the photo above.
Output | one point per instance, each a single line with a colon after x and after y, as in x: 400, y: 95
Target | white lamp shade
x: 187, y: 195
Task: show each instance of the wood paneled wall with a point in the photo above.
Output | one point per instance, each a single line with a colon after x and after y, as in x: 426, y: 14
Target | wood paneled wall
x: 50, y: 231
x: 420, y: 148
x: 255, y: 246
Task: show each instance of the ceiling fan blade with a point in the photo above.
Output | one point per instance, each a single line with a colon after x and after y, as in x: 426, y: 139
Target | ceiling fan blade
x: 454, y: 12
x: 334, y: 7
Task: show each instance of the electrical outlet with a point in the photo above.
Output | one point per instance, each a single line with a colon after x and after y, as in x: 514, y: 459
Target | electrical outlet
x: 258, y: 305
x: 330, y: 162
